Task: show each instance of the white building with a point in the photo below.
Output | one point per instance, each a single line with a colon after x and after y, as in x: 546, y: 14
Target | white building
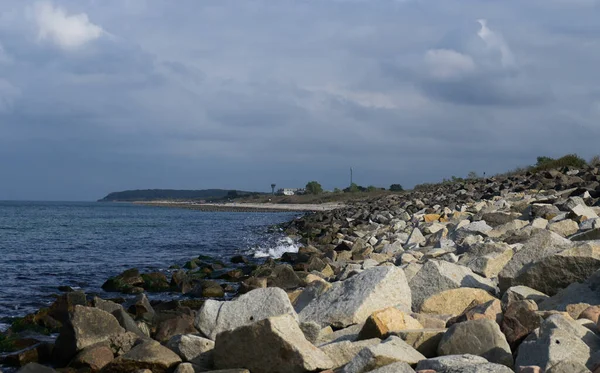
x: 290, y: 191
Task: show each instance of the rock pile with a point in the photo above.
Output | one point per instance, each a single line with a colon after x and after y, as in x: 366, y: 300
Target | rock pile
x: 488, y: 275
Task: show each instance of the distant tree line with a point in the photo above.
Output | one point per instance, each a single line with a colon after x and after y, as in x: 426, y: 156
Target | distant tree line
x: 314, y: 187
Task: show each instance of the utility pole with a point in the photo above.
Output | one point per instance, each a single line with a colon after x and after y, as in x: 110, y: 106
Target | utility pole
x: 350, y: 176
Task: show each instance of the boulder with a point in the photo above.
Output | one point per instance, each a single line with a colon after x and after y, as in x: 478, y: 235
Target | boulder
x: 519, y: 320
x: 178, y: 324
x: 489, y: 265
x: 517, y: 293
x: 541, y: 244
x: 568, y: 367
x: 190, y: 347
x: 398, y: 367
x: 425, y: 341
x: 443, y: 363
x: 65, y: 304
x: 120, y: 344
x: 141, y: 308
x: 35, y: 368
x: 436, y: 276
x: 556, y: 272
x: 575, y: 293
x: 491, y: 310
x: 93, y: 357
x: 383, y: 322
x: 454, y: 301
x: 591, y: 313
x: 273, y: 345
x: 87, y: 326
x: 354, y: 300
x: 389, y: 351
x: 550, y: 346
x: 482, y: 368
x: 342, y: 352
x: 148, y: 355
x: 478, y: 337
x: 127, y: 322
x: 564, y: 228
x: 217, y: 316
x: 124, y: 282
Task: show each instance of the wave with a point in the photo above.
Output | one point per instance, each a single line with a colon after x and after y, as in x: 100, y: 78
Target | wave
x: 276, y: 250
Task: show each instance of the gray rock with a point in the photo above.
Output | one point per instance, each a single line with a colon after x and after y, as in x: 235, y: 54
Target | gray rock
x: 436, y: 276
x: 389, y: 351
x: 482, y: 368
x: 555, y: 272
x: 141, y: 308
x: 347, y: 334
x: 584, y: 211
x: 190, y: 347
x: 87, y: 326
x: 311, y: 331
x: 517, y: 293
x: 127, y: 322
x: 106, y: 305
x: 148, y: 355
x: 442, y: 363
x: 217, y: 316
x: 593, y: 234
x: 548, y: 347
x: 273, y: 345
x: 575, y: 293
x: 541, y: 244
x: 478, y: 337
x: 354, y: 300
x: 342, y: 352
x: 573, y: 328
x: 568, y: 367
x: 399, y: 367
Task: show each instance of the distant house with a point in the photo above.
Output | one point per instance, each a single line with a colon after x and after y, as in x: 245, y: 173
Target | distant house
x: 290, y: 191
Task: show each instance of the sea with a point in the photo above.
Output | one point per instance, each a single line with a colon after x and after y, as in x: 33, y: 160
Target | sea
x: 44, y: 245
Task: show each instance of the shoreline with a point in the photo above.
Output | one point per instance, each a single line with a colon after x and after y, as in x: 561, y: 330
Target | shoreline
x: 245, y: 207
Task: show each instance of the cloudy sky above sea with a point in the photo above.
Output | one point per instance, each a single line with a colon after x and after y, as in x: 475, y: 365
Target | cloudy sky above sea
x: 106, y: 95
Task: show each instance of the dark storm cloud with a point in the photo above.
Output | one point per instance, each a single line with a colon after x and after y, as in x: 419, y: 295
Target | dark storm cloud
x: 101, y: 96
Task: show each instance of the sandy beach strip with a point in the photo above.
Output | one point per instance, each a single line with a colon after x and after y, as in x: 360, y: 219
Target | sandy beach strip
x: 246, y: 207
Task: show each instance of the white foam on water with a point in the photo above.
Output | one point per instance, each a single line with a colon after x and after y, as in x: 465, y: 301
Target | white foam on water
x: 284, y: 245
x: 4, y: 327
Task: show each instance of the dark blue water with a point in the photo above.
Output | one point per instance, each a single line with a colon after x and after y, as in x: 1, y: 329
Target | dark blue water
x: 47, y: 244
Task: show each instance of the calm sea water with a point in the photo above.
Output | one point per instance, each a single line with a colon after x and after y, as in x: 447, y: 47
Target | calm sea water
x: 47, y: 244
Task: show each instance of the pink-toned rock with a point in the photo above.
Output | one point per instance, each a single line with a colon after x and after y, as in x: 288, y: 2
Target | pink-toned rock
x: 591, y: 313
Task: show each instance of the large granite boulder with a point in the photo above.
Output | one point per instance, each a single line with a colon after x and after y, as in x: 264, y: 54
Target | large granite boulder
x: 477, y: 337
x: 94, y: 358
x: 271, y: 345
x: 217, y: 316
x: 426, y: 341
x: 555, y: 272
x: 541, y: 244
x: 549, y: 346
x: 86, y: 326
x: 398, y: 367
x: 352, y: 301
x: 436, y: 276
x: 148, y: 355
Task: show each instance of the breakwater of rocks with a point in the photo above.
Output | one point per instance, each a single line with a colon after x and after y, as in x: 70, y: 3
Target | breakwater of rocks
x: 485, y: 275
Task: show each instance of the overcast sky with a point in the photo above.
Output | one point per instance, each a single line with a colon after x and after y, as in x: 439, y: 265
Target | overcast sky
x: 106, y: 95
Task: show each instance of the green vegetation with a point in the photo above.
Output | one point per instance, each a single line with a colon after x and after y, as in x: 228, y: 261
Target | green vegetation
x: 314, y: 188
x: 595, y: 161
x: 569, y: 160
x: 396, y: 188
x: 172, y: 194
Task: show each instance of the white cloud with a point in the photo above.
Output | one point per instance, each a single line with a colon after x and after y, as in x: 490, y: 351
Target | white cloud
x: 448, y: 64
x: 67, y: 31
x: 495, y: 41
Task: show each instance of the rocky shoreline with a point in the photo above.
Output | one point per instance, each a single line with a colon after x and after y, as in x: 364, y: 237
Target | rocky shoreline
x: 485, y: 275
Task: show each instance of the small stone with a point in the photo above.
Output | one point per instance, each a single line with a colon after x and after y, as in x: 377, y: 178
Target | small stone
x: 148, y: 355
x: 389, y: 351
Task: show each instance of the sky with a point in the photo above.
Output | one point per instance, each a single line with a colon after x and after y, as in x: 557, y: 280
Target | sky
x: 107, y: 95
